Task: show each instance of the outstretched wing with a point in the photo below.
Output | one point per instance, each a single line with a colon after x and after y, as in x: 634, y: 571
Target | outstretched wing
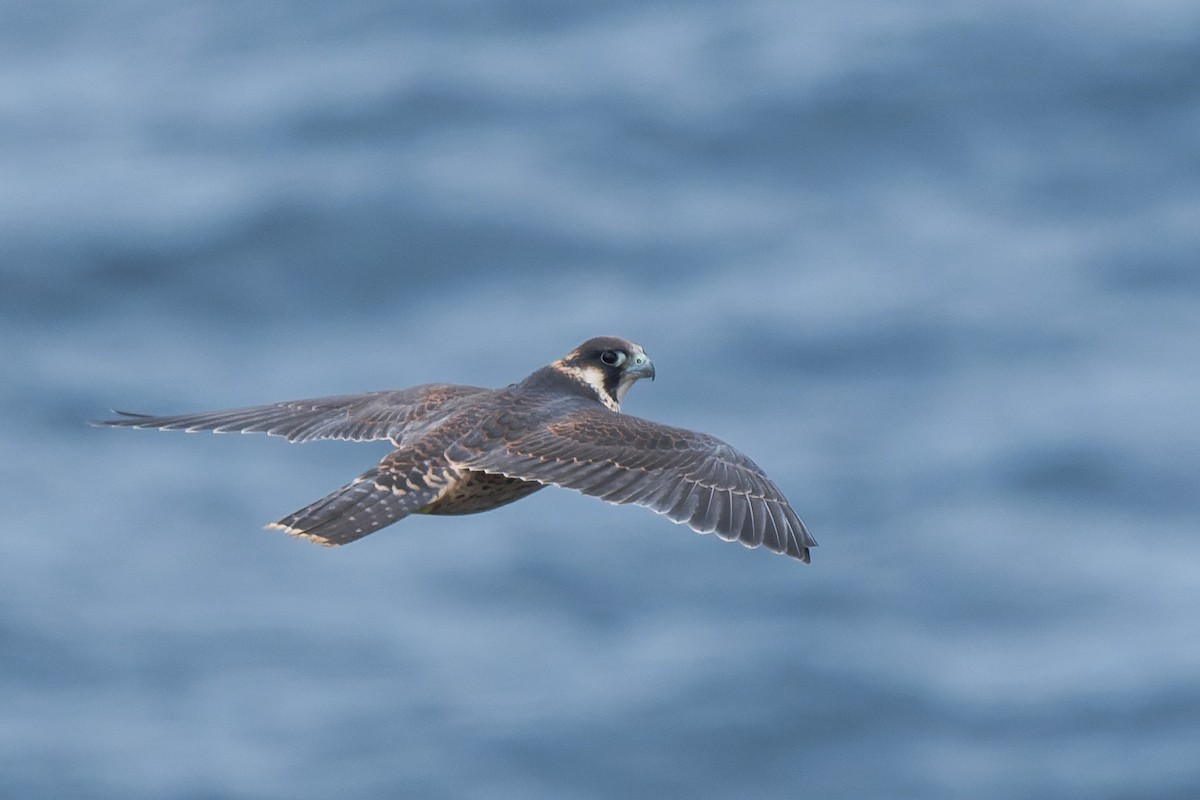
x: 689, y: 477
x: 357, y: 417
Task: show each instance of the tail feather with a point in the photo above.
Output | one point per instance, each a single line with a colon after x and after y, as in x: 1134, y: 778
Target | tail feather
x: 370, y: 502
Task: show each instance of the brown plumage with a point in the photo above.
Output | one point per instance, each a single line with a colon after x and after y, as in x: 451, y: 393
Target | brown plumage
x: 463, y: 449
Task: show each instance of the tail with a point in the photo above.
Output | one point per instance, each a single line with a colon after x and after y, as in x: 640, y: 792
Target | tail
x: 372, y: 501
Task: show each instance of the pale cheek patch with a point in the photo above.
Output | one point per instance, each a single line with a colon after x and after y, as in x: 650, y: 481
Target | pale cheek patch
x: 593, y: 378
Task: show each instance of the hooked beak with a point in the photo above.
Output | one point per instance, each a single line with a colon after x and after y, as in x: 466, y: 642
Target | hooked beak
x: 641, y: 367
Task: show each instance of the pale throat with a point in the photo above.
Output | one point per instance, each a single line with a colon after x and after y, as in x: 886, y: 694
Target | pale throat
x: 623, y: 386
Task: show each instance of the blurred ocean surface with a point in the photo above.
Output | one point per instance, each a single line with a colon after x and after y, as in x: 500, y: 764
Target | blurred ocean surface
x: 935, y: 266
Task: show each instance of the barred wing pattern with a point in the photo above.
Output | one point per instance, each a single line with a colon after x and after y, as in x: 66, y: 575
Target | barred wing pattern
x: 359, y: 417
x: 689, y: 477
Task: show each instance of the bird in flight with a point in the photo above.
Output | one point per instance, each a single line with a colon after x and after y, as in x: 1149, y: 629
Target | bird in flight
x: 465, y: 449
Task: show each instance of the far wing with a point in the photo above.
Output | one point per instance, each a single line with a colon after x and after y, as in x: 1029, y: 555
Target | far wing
x: 357, y: 417
x: 689, y: 477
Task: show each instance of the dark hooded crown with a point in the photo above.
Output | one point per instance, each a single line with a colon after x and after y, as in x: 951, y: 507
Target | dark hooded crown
x: 607, y: 366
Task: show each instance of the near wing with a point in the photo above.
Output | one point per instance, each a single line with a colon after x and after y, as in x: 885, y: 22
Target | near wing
x: 357, y: 417
x: 689, y: 477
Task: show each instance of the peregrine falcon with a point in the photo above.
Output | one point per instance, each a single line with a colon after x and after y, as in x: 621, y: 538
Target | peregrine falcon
x: 464, y: 449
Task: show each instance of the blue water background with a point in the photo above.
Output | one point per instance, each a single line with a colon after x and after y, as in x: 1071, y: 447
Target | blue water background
x: 935, y: 266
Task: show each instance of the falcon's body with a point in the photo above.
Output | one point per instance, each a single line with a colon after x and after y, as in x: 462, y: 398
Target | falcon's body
x: 463, y: 449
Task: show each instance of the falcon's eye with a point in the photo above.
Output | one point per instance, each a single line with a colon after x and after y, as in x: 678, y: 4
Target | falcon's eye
x: 614, y: 358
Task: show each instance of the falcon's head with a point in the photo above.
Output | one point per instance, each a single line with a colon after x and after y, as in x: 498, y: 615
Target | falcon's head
x: 608, y: 365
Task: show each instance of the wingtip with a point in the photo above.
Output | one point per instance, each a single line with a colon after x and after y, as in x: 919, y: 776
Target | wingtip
x: 793, y: 549
x: 802, y: 543
x: 127, y: 418
x: 799, y: 548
